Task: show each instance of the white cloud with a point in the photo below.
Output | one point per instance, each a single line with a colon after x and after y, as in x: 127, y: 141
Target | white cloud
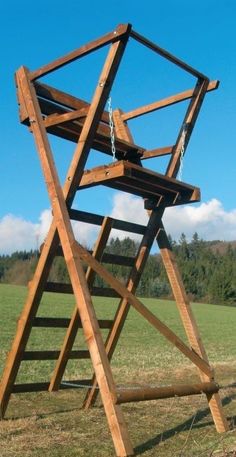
x: 16, y: 234
x: 209, y: 219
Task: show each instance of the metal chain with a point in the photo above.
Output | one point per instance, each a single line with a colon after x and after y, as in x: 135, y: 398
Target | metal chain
x: 111, y: 125
x: 182, y: 150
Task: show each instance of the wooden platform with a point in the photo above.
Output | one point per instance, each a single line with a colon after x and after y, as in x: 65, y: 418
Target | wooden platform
x: 134, y: 179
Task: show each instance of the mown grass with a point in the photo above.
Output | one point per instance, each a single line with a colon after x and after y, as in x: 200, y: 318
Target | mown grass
x: 55, y: 425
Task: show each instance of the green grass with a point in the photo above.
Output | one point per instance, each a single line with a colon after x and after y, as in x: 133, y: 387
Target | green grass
x: 55, y: 424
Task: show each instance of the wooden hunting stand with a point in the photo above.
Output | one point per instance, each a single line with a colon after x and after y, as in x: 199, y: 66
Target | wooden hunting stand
x: 47, y: 110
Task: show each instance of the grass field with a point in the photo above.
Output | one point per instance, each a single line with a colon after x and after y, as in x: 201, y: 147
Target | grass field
x: 55, y: 425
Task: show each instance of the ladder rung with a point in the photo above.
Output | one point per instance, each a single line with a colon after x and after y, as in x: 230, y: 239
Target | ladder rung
x: 59, y: 322
x: 104, y: 292
x: 155, y: 393
x: 97, y: 219
x: 49, y: 322
x: 53, y: 355
x: 57, y: 287
x: 118, y: 259
x: 114, y: 259
x: 42, y: 386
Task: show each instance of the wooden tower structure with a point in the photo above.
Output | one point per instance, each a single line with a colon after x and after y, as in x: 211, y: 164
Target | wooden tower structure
x: 47, y: 110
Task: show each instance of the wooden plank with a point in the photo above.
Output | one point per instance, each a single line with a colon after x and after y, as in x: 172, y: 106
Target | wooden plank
x: 140, y: 181
x: 143, y: 310
x: 189, y: 324
x: 43, y: 386
x: 167, y: 55
x: 96, y: 219
x: 187, y: 127
x: 53, y: 355
x: 121, y: 32
x: 62, y: 223
x: 116, y: 259
x: 154, y: 393
x: 83, y: 299
x: 159, y: 152
x: 46, y: 92
x: 57, y: 322
x: 73, y: 327
x: 51, y: 322
x: 169, y: 101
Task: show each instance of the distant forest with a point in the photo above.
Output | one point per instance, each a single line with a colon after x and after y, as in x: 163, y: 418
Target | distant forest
x: 208, y: 269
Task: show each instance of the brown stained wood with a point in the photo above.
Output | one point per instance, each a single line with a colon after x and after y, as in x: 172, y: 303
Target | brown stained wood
x: 72, y: 330
x: 159, y: 152
x: 50, y: 322
x: 189, y: 324
x: 65, y: 100
x: 132, y: 178
x: 146, y: 393
x: 167, y: 55
x: 59, y: 322
x: 85, y: 308
x: 121, y: 32
x: 102, y: 368
x: 172, y: 100
x: 187, y: 127
x: 53, y: 355
x: 43, y: 386
x: 97, y: 219
x: 143, y: 310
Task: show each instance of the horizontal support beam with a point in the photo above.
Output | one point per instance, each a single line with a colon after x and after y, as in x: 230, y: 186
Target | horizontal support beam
x: 202, y: 364
x: 111, y: 37
x: 172, y: 100
x: 43, y: 386
x: 62, y: 288
x: 97, y: 219
x: 107, y: 257
x: 155, y: 393
x: 65, y: 100
x: 53, y: 355
x: 167, y: 55
x: 58, y: 322
x: 158, y: 152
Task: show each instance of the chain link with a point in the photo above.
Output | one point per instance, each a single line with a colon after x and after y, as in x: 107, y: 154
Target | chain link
x: 111, y: 125
x: 182, y: 150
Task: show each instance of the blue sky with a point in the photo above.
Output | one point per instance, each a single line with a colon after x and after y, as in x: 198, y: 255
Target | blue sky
x: 202, y: 34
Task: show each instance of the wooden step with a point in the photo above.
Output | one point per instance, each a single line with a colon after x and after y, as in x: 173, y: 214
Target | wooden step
x: 129, y: 177
x: 113, y: 259
x: 53, y: 355
x: 62, y: 288
x: 97, y: 219
x: 154, y: 393
x: 59, y: 322
x: 43, y: 386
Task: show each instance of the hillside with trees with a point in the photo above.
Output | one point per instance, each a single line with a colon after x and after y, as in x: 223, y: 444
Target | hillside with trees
x: 208, y: 269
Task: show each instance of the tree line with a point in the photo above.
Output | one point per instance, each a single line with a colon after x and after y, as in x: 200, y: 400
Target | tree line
x: 208, y: 269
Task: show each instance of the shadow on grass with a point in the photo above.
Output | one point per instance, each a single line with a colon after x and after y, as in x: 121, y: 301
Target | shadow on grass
x: 192, y: 423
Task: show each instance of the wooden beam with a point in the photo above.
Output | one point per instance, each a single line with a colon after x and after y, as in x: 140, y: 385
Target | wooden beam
x: 121, y: 32
x: 74, y: 323
x: 172, y: 100
x: 167, y: 55
x: 187, y: 127
x: 143, y: 310
x: 158, y: 152
x: 97, y: 219
x: 53, y: 355
x: 154, y: 393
